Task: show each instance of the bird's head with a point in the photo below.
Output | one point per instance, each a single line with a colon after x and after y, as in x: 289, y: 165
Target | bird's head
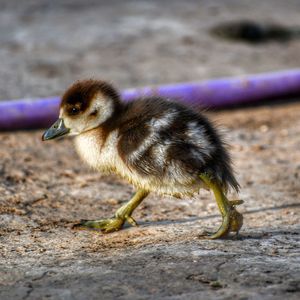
x: 85, y: 105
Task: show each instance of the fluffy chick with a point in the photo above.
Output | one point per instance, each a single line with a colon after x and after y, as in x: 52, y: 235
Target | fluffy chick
x: 156, y: 144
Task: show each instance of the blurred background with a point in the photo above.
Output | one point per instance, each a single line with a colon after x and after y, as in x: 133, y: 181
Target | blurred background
x: 45, y: 188
x: 46, y: 45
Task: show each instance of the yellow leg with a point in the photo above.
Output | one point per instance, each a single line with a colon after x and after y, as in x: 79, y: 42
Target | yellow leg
x: 122, y: 214
x: 232, y: 219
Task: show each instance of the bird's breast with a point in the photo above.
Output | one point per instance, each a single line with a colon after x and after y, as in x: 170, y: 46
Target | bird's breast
x: 96, y: 152
x: 102, y: 154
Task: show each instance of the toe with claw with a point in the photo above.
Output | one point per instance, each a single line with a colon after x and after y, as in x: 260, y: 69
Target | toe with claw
x: 122, y: 215
x: 105, y: 225
x: 232, y: 221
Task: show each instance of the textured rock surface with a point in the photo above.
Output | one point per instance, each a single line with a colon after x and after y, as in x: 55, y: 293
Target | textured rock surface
x: 44, y: 187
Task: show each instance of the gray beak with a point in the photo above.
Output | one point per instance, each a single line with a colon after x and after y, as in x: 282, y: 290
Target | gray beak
x: 56, y: 130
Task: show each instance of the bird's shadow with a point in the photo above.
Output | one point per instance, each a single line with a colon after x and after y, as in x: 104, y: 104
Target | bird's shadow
x: 243, y: 236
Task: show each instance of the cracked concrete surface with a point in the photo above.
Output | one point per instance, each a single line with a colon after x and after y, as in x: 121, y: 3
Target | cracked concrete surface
x: 44, y: 188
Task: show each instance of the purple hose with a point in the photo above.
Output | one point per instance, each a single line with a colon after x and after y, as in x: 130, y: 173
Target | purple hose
x: 216, y: 93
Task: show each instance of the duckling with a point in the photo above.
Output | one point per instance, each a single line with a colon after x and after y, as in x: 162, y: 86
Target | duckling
x: 156, y: 144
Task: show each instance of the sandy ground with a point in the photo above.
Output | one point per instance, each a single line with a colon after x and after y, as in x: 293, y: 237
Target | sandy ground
x: 45, y: 188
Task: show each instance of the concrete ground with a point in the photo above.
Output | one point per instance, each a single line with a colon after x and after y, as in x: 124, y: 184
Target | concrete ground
x: 44, y: 188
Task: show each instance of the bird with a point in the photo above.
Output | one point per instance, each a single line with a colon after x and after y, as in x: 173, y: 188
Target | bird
x: 156, y: 144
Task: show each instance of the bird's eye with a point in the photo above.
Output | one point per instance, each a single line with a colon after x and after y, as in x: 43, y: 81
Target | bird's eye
x: 74, y: 110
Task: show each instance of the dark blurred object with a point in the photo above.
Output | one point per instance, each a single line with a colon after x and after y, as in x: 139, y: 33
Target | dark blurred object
x: 253, y: 32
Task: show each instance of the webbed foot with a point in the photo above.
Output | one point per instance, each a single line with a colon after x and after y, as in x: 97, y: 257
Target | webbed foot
x: 232, y: 222
x: 232, y: 219
x: 105, y: 225
x: 122, y: 215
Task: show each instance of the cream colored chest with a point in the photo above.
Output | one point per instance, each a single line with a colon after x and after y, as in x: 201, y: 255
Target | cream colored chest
x: 96, y: 154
